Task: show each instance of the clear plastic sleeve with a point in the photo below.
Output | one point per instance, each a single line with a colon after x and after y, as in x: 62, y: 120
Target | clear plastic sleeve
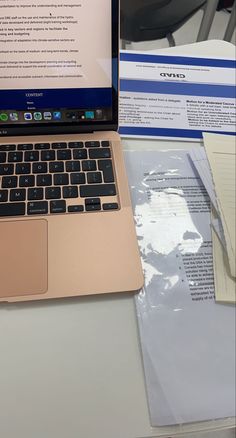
x: 187, y: 339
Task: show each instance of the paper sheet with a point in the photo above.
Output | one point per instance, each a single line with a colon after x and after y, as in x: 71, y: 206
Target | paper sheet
x: 188, y: 341
x: 225, y: 284
x: 199, y: 158
x: 200, y: 161
x: 218, y: 229
x: 221, y: 152
x: 175, y: 96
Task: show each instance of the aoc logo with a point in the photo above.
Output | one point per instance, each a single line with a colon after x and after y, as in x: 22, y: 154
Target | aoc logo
x: 172, y: 75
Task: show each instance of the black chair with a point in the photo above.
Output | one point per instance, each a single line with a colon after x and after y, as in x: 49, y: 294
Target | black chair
x: 145, y: 20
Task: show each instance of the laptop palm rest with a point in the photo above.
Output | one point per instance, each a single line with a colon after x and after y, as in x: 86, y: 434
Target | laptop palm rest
x: 24, y: 258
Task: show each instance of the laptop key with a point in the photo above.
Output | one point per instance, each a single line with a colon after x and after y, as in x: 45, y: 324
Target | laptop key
x: 25, y: 147
x: 77, y: 178
x: 95, y: 207
x: 76, y: 144
x: 64, y: 154
x: 80, y: 154
x: 40, y: 167
x: 106, y: 167
x: 61, y: 179
x: 94, y: 177
x: 44, y: 180
x: 92, y: 144
x: 3, y: 195
x: 72, y: 166
x: 94, y: 190
x: 14, y: 157
x: 40, y: 207
x: 8, y: 147
x: 17, y: 195
x: 35, y: 194
x: 92, y: 201
x: 58, y: 206
x: 6, y: 169
x: 110, y: 206
x: 56, y: 166
x: 93, y: 204
x: 53, y: 193
x: 105, y: 144
x: 27, y: 181
x: 70, y: 192
x: 31, y: 156
x: 99, y: 153
x: 12, y: 209
x: 9, y: 182
x: 3, y: 157
x: 59, y: 145
x: 42, y: 146
x: 75, y: 208
x: 48, y: 155
x: 89, y: 165
x: 23, y: 168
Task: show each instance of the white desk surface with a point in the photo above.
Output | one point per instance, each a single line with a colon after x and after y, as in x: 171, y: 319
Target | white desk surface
x: 72, y: 368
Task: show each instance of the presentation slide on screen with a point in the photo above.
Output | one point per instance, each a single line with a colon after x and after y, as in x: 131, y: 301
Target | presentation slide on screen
x: 55, y: 44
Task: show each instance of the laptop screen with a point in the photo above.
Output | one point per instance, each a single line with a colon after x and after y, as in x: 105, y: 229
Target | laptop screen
x: 58, y: 63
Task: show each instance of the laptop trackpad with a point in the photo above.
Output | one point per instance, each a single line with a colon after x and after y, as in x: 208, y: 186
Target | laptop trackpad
x: 24, y: 258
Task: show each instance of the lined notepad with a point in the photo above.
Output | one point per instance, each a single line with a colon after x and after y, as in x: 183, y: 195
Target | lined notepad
x: 225, y: 284
x: 221, y: 153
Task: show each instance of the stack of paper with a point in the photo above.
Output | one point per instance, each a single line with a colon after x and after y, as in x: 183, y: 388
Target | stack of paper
x: 216, y: 166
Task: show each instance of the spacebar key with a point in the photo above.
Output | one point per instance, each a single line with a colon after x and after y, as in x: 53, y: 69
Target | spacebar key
x: 12, y: 209
x: 97, y: 190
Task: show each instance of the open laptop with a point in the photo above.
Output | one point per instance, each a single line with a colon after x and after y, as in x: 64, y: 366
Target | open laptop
x: 66, y: 222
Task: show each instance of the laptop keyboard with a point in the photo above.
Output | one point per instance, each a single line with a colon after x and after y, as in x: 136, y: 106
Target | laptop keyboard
x: 59, y: 177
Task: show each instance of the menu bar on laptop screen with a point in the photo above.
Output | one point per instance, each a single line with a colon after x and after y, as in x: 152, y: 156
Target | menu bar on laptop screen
x: 55, y: 61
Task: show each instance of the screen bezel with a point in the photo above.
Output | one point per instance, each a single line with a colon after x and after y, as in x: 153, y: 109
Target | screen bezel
x: 73, y: 127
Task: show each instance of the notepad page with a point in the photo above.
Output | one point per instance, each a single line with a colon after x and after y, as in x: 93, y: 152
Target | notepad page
x: 221, y: 153
x: 200, y: 161
x: 225, y: 284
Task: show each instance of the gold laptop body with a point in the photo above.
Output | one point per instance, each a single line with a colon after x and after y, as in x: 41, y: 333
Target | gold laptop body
x: 66, y: 221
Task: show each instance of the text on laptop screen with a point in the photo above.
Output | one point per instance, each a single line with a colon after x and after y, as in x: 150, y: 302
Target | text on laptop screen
x: 55, y: 61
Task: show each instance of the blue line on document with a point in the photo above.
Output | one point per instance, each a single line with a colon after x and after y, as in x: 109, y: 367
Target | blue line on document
x: 134, y: 85
x: 166, y: 132
x: 177, y: 60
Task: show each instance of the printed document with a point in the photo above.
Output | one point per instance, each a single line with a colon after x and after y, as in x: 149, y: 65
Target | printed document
x: 175, y: 96
x: 188, y: 340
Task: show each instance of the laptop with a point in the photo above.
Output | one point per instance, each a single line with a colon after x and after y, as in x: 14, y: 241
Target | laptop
x: 66, y: 221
